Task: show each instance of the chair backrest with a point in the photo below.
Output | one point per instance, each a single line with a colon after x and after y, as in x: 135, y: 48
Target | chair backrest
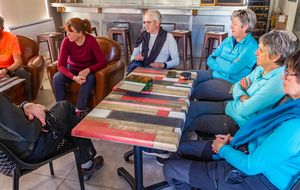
x: 28, y: 47
x: 110, y: 48
x: 7, y: 166
x: 213, y: 27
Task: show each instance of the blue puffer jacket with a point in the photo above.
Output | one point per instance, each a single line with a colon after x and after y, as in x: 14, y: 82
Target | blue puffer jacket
x: 224, y: 65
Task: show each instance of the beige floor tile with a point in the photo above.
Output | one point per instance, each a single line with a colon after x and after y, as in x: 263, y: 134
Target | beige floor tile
x: 62, y: 167
x: 32, y: 182
x: 74, y: 185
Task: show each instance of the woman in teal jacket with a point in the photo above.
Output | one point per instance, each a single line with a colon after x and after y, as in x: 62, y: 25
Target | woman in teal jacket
x: 230, y: 62
x: 264, y: 154
x: 253, y: 95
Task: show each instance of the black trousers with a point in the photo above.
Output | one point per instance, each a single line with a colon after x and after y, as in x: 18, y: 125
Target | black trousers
x: 192, y: 167
x: 67, y: 118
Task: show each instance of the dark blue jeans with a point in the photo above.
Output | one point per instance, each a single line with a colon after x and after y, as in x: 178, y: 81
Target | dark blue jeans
x: 210, y: 89
x: 133, y: 65
x: 59, y: 81
x: 192, y: 167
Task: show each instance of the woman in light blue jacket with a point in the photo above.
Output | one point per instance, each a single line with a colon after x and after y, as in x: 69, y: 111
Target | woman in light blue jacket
x: 264, y: 154
x: 255, y: 94
x: 230, y: 62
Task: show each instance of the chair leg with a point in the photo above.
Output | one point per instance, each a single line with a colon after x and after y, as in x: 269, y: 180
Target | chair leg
x: 77, y: 158
x: 51, y: 168
x: 128, y: 154
x: 16, y: 177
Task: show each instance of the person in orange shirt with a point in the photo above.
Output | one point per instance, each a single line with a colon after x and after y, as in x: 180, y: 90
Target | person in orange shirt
x: 10, y: 57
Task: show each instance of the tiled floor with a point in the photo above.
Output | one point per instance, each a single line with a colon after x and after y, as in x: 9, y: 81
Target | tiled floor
x: 66, y: 178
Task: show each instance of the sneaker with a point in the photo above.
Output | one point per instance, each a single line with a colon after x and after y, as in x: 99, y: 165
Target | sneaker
x: 80, y: 114
x: 97, y: 164
x: 155, y: 152
x: 161, y: 161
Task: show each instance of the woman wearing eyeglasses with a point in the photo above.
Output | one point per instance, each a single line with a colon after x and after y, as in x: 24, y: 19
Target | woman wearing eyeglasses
x: 264, y: 154
x: 253, y: 95
x: 80, y: 57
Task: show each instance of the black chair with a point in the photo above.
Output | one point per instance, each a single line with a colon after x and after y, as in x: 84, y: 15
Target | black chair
x: 12, y: 166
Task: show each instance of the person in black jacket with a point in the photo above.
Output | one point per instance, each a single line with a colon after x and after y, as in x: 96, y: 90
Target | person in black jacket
x: 32, y: 132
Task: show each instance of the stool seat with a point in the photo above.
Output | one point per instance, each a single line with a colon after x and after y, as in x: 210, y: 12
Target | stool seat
x: 50, y: 38
x: 211, y: 36
x: 184, y: 35
x: 124, y: 32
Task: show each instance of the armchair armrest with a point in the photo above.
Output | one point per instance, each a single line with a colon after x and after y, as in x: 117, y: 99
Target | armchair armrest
x: 51, y: 70
x: 35, y: 67
x: 107, y: 78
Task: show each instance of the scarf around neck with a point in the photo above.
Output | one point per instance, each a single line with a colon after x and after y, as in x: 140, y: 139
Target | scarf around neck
x: 266, y: 122
x: 144, y: 38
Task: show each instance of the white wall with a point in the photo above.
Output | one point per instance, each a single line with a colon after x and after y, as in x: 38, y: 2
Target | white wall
x: 22, y: 11
x: 288, y: 8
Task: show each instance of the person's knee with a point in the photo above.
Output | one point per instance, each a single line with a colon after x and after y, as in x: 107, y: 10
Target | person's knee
x: 90, y: 79
x: 168, y: 170
x: 58, y: 79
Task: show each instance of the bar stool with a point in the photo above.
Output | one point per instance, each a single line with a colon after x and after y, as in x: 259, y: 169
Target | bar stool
x: 184, y: 35
x: 124, y: 31
x: 211, y: 36
x: 50, y: 38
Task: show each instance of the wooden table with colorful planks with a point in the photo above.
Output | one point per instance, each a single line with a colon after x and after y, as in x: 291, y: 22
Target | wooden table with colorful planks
x: 152, y: 118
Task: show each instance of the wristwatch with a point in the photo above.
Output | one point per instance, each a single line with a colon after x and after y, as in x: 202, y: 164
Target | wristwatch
x: 7, y: 71
x: 165, y: 66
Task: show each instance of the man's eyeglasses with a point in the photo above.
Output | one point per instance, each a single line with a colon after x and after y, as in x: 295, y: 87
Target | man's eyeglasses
x: 285, y: 74
x: 148, y: 22
x: 68, y: 32
x: 277, y: 32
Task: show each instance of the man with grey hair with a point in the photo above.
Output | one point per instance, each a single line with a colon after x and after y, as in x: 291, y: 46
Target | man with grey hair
x: 230, y: 62
x: 154, y: 46
x: 10, y: 57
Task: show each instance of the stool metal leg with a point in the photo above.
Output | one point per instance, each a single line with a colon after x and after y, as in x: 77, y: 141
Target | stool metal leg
x: 129, y: 43
x: 191, y: 51
x: 203, y: 51
x: 184, y: 52
x: 125, y: 47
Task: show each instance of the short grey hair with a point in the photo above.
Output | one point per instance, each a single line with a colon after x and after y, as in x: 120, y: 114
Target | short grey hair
x: 247, y: 17
x: 1, y: 21
x: 156, y: 15
x: 279, y: 42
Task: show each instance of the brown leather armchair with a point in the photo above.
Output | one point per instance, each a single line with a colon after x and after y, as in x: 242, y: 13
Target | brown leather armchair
x: 106, y: 78
x: 35, y: 63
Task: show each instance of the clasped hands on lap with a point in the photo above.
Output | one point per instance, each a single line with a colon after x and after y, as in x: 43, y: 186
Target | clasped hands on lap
x: 220, y: 141
x: 81, y: 77
x: 156, y: 65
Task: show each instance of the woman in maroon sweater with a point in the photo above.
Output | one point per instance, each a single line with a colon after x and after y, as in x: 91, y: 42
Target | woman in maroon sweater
x: 80, y: 57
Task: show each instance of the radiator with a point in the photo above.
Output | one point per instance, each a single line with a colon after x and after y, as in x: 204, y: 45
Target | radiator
x: 32, y: 29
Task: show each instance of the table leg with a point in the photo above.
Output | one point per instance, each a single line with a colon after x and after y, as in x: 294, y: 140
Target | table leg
x: 137, y: 182
x: 138, y: 168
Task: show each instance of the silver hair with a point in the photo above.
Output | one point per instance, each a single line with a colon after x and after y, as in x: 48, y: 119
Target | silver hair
x: 156, y: 15
x: 247, y: 17
x: 1, y: 21
x: 279, y: 42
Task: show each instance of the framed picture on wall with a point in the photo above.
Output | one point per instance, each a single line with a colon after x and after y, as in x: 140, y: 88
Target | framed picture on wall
x: 229, y: 2
x: 207, y: 2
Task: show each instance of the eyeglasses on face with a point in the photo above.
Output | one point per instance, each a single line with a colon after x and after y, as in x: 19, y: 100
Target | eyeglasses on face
x: 285, y: 74
x: 148, y: 22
